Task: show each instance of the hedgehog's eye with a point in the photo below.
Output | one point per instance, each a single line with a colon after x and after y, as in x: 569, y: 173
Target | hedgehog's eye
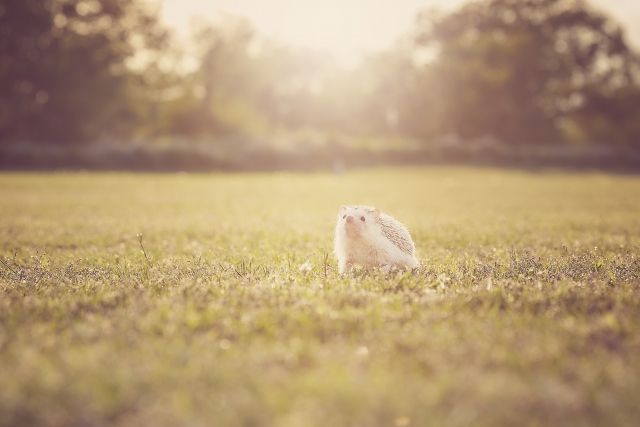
x: 344, y: 216
x: 362, y: 218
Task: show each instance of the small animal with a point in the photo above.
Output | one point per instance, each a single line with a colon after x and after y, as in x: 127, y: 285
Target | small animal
x: 365, y: 236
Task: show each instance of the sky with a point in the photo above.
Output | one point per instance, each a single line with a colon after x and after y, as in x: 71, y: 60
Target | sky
x: 345, y: 28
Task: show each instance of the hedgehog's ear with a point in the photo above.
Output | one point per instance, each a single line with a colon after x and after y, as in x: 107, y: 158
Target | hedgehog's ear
x: 343, y: 208
x: 374, y: 211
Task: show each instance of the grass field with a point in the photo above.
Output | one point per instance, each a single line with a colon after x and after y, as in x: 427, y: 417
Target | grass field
x: 525, y: 312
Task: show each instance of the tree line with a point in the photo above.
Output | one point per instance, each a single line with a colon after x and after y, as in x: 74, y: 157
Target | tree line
x: 517, y: 71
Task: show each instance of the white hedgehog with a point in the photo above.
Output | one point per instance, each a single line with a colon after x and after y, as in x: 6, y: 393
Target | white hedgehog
x: 371, y: 238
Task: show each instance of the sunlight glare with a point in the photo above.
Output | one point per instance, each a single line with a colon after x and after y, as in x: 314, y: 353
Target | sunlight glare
x: 346, y: 29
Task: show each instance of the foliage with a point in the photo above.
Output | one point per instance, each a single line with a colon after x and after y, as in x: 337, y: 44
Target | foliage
x: 516, y: 71
x: 526, y: 308
x: 246, y: 83
x: 524, y: 71
x: 68, y: 69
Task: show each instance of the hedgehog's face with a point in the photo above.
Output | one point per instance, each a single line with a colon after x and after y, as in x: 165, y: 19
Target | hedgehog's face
x: 357, y: 220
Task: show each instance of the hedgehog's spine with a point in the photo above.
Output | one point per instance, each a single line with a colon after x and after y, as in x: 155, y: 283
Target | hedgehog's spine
x: 396, y: 233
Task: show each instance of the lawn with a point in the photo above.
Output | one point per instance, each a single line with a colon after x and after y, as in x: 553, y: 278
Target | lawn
x: 526, y: 310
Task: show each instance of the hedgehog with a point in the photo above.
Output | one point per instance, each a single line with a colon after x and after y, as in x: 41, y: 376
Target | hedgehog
x: 365, y: 236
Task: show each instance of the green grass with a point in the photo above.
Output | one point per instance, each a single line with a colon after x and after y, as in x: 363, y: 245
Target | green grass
x: 526, y: 311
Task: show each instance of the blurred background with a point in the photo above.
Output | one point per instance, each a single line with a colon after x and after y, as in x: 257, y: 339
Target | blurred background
x: 254, y: 85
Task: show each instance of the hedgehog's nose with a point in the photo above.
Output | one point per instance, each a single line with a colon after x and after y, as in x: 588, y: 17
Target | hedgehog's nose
x: 349, y: 219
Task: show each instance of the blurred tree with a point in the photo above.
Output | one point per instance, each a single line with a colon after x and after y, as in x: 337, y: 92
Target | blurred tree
x: 247, y: 84
x: 608, y: 116
x: 219, y: 95
x: 520, y: 70
x: 72, y: 70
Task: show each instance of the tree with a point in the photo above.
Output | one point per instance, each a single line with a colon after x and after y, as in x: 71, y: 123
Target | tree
x: 520, y: 70
x: 248, y: 84
x: 71, y: 69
